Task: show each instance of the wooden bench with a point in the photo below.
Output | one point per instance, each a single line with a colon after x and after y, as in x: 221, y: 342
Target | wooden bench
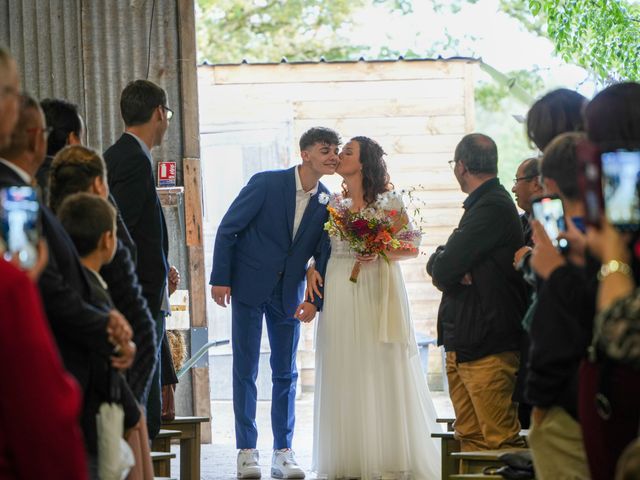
x: 189, y: 428
x: 162, y: 442
x: 448, y: 446
x: 476, y: 462
x: 162, y: 463
x: 448, y: 420
x: 475, y: 476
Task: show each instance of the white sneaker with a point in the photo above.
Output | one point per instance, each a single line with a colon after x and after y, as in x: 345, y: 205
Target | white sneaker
x: 284, y: 465
x: 248, y: 466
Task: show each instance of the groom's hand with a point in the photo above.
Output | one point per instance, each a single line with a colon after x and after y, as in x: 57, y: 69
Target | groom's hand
x: 305, y: 312
x: 221, y: 295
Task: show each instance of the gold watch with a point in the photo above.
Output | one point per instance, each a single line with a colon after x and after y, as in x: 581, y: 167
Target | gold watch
x: 614, y: 266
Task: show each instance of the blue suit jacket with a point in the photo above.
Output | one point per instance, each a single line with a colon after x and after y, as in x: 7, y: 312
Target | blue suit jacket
x: 254, y: 248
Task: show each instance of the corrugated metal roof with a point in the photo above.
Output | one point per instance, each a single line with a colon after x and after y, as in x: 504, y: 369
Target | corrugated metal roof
x: 338, y: 62
x: 87, y: 50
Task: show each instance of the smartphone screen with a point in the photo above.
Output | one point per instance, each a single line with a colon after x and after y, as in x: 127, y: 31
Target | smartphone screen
x: 620, y: 175
x: 550, y: 213
x: 19, y: 224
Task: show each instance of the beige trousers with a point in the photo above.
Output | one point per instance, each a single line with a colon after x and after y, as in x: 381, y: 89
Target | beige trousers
x: 557, y: 448
x: 481, y: 391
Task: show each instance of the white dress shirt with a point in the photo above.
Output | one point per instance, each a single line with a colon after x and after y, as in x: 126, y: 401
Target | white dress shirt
x: 302, y: 200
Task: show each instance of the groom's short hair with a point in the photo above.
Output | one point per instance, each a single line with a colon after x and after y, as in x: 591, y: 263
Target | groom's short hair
x: 323, y: 135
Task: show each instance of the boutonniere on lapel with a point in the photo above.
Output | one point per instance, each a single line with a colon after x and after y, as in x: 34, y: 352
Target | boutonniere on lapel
x: 323, y: 198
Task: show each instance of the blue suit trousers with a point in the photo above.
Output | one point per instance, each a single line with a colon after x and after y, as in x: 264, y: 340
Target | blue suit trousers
x: 284, y: 333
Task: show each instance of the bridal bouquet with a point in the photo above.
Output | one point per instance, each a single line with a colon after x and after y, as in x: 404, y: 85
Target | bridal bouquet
x: 376, y: 229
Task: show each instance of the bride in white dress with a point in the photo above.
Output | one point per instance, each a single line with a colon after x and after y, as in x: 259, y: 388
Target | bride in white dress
x: 373, y: 413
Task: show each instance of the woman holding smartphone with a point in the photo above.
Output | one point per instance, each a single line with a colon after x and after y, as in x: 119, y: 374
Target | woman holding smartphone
x: 559, y: 330
x: 610, y: 376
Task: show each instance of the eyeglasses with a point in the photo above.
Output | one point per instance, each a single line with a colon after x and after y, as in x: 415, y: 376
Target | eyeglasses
x: 452, y: 164
x: 168, y: 110
x: 526, y: 178
x: 45, y: 131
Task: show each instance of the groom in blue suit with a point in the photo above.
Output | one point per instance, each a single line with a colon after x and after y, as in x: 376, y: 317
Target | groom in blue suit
x: 264, y: 242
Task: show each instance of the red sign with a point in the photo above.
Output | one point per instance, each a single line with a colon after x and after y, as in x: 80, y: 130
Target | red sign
x: 167, y: 174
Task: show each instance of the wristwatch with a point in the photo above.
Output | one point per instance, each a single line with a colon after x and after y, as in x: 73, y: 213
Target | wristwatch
x: 614, y: 266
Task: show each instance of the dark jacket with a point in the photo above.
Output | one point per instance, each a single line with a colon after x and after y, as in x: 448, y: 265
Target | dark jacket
x: 559, y: 336
x: 126, y: 294
x: 78, y: 327
x: 105, y: 380
x: 482, y: 318
x: 132, y: 184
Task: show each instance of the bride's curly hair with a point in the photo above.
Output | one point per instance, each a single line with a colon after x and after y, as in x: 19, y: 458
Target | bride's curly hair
x: 375, y: 178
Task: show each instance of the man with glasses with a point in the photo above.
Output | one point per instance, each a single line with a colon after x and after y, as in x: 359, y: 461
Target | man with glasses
x: 483, y: 300
x: 145, y: 112
x: 525, y: 188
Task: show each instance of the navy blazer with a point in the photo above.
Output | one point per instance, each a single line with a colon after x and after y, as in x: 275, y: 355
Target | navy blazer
x: 132, y: 184
x: 78, y: 327
x: 254, y: 248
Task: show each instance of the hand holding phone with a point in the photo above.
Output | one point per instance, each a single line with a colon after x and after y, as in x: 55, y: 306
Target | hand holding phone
x: 548, y: 210
x: 609, y: 183
x: 20, y: 225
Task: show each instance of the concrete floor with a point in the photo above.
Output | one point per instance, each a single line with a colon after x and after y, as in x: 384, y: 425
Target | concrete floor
x: 219, y: 458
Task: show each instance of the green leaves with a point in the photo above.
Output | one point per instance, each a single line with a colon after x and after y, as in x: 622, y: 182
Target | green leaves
x: 229, y: 31
x: 602, y: 36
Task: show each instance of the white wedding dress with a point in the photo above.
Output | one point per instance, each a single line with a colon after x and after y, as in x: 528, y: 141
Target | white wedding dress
x: 373, y: 413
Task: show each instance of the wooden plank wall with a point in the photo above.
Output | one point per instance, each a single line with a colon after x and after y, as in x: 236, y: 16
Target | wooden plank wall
x: 417, y: 110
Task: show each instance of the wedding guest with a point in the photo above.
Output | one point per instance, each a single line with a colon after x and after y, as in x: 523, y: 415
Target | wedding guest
x: 526, y: 186
x: 67, y: 128
x: 146, y: 114
x: 44, y: 401
x: 80, y: 329
x: 560, y: 326
x: 80, y: 169
x: 483, y: 300
x: 29, y: 420
x: 91, y: 224
x: 610, y: 378
x: 556, y: 112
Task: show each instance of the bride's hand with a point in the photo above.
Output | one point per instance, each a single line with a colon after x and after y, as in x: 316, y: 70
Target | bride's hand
x: 367, y: 258
x: 314, y: 282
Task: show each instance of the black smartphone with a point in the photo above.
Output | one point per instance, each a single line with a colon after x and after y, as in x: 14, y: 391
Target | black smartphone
x: 20, y: 224
x: 590, y: 182
x: 548, y: 210
x: 620, y: 176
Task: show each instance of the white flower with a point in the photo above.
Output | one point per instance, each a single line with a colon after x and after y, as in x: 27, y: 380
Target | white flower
x: 323, y: 198
x: 347, y: 202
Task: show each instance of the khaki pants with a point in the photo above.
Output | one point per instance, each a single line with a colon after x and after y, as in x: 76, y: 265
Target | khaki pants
x: 557, y: 448
x: 481, y: 391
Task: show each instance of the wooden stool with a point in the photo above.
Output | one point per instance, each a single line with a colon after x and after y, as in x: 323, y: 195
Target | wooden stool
x: 162, y: 463
x: 162, y: 442
x: 189, y: 428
